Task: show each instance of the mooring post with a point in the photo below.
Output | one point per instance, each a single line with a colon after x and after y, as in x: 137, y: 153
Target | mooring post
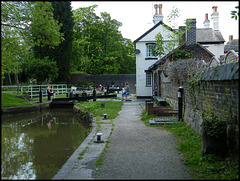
x: 40, y: 96
x: 180, y: 94
x: 94, y: 94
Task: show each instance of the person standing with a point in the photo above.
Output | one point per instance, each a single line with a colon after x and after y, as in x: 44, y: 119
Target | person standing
x: 50, y: 93
x: 126, y: 91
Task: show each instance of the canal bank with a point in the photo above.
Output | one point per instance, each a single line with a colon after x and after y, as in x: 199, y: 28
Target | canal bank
x: 135, y: 151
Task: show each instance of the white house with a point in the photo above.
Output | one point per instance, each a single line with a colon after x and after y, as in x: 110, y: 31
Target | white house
x: 209, y: 38
x: 144, y: 57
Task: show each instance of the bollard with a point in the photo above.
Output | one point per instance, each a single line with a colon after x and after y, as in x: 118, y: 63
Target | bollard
x: 99, y: 135
x: 105, y: 116
x: 40, y: 96
x: 180, y: 104
x: 94, y: 94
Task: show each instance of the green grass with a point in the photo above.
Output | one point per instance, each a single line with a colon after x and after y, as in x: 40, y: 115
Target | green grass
x: 209, y: 167
x: 10, y: 100
x: 111, y: 109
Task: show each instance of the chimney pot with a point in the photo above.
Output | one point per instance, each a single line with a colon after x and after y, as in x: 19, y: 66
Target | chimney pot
x: 214, y: 8
x: 158, y: 17
x: 160, y: 8
x: 156, y: 6
x: 230, y: 37
x: 206, y: 16
x: 215, y: 18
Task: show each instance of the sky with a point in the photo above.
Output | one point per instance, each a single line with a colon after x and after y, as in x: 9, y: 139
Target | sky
x: 137, y: 16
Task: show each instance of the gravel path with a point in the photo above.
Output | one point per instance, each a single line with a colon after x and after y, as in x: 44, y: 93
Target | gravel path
x: 140, y: 152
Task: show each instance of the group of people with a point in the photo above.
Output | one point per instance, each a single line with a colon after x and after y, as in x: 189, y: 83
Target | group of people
x: 126, y: 91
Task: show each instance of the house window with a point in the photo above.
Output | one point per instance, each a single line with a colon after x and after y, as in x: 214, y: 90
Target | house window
x: 149, y: 47
x: 148, y: 79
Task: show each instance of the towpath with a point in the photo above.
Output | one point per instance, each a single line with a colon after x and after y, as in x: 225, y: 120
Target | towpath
x: 135, y: 151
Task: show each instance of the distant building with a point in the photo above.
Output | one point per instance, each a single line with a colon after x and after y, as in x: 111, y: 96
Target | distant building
x: 232, y: 44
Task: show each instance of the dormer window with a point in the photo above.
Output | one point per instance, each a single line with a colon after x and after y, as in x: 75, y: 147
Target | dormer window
x: 149, y: 53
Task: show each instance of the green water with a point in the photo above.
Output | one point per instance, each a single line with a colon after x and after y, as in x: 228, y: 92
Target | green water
x: 36, y: 145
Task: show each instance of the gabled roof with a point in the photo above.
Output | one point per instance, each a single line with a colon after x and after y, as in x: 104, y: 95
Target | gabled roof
x: 151, y: 29
x: 231, y: 45
x: 207, y: 35
x: 170, y: 53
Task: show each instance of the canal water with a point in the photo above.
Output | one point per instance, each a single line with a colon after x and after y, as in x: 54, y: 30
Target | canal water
x: 36, y: 145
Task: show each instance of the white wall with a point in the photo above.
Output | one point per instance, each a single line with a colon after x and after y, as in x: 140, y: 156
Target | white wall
x: 142, y: 64
x: 216, y: 49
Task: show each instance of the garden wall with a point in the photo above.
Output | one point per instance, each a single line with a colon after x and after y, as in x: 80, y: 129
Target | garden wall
x: 116, y: 80
x: 217, y: 89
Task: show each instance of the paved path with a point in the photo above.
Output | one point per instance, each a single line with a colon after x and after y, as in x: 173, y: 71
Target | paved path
x: 140, y: 152
x: 135, y: 151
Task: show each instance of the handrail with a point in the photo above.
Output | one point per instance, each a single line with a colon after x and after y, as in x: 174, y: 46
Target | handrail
x: 33, y: 90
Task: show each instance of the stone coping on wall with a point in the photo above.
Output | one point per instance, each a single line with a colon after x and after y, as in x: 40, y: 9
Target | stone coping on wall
x: 224, y: 72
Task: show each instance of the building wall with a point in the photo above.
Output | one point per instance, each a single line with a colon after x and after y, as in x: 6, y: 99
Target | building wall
x: 142, y: 64
x: 216, y: 49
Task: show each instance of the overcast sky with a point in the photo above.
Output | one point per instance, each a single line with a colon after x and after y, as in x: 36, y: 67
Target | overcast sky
x: 137, y: 16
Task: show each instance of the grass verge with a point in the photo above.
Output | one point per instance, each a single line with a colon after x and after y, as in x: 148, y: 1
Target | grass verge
x: 10, y: 100
x: 111, y: 109
x: 209, y: 167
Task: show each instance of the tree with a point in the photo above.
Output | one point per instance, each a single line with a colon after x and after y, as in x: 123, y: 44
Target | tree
x: 42, y: 69
x: 176, y: 38
x: 25, y: 24
x: 99, y: 47
x: 61, y: 53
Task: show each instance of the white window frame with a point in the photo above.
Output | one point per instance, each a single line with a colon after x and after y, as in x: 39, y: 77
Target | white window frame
x: 148, y: 79
x: 148, y: 50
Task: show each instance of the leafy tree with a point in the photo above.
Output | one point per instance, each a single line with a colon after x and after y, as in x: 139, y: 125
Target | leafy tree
x: 99, y: 47
x: 25, y: 24
x: 175, y: 38
x: 42, y: 69
x: 61, y: 53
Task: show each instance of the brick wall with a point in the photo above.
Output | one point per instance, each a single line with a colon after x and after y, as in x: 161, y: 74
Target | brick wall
x: 218, y: 90
x: 105, y: 80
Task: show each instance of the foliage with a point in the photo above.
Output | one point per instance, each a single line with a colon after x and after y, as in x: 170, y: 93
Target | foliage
x: 25, y: 24
x: 62, y: 13
x: 42, y: 69
x: 209, y: 167
x: 235, y: 14
x: 174, y: 39
x: 213, y: 125
x: 183, y: 70
x: 98, y: 45
x: 182, y: 54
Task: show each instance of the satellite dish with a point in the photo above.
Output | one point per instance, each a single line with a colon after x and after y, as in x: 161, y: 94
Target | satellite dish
x: 137, y: 51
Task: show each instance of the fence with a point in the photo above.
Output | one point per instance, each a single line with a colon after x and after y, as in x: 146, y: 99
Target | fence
x: 33, y: 90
